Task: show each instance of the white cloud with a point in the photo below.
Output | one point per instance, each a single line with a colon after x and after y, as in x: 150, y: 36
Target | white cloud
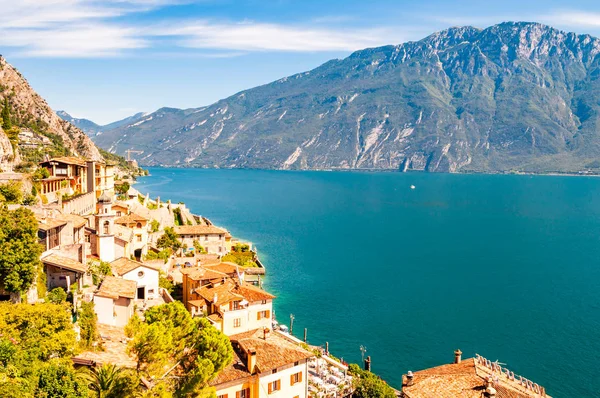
x: 572, y: 18
x: 251, y: 36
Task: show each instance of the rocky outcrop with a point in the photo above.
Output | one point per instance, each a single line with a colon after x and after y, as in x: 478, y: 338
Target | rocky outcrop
x: 514, y: 96
x: 27, y: 105
x: 7, y: 155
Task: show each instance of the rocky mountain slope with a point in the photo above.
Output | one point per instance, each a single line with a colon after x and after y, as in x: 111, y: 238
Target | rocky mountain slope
x: 29, y: 111
x: 92, y: 129
x: 514, y: 96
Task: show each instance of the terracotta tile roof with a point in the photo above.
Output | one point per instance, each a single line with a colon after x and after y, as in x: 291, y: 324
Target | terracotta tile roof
x: 65, y: 262
x: 231, y: 290
x: 50, y: 223
x: 271, y: 353
x: 198, y: 230
x: 69, y: 160
x: 116, y: 287
x: 130, y: 218
x: 77, y: 221
x: 202, y: 274
x: 208, y: 259
x: 123, y: 233
x: 465, y: 379
x: 197, y: 303
x: 225, y: 268
x: 124, y: 265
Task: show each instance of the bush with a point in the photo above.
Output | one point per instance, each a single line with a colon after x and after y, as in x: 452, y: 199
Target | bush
x: 11, y: 192
x: 29, y: 200
x: 88, y: 325
x: 154, y: 226
x: 56, y: 296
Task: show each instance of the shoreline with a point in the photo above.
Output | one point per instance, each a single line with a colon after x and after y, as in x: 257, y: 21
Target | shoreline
x: 386, y: 171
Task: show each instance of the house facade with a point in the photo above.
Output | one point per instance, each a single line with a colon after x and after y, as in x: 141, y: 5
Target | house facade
x: 114, y: 301
x: 211, y: 238
x: 145, y: 276
x: 139, y: 227
x: 265, y: 365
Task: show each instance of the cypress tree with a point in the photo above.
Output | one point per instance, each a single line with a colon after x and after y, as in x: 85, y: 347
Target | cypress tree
x: 6, y: 116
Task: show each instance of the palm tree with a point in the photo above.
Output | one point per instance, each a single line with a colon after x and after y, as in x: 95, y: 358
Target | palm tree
x: 110, y: 381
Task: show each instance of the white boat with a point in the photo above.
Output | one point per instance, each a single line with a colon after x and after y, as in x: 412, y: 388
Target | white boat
x: 284, y: 329
x: 412, y: 187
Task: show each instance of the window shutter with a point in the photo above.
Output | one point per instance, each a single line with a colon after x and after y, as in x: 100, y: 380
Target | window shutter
x: 268, y: 314
x: 300, y: 377
x: 291, y: 380
x: 258, y: 315
x: 270, y: 388
x: 238, y: 394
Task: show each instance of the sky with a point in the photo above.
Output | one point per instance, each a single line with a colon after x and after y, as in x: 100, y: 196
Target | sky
x: 107, y: 59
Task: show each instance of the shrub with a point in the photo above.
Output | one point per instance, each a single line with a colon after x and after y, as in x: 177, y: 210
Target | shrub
x: 56, y: 296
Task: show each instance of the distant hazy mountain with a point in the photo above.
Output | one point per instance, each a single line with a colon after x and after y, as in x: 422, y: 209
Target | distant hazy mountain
x: 514, y: 96
x: 92, y: 129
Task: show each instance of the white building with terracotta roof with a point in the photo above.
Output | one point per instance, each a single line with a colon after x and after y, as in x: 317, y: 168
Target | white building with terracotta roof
x: 265, y: 364
x: 233, y: 306
x: 113, y: 301
x: 145, y: 277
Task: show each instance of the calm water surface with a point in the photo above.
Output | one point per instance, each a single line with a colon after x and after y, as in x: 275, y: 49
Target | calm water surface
x: 504, y: 266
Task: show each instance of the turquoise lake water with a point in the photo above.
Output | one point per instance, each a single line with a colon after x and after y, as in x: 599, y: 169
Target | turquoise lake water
x: 504, y: 266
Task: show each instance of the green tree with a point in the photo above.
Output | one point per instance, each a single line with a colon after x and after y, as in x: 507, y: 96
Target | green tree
x: 99, y: 270
x: 123, y: 188
x: 6, y: 122
x: 88, y: 325
x: 169, y: 240
x: 20, y: 249
x: 169, y: 338
x: 56, y: 296
x: 12, y: 192
x: 369, y: 385
x: 58, y: 379
x: 165, y: 283
x: 110, y: 381
x: 154, y: 226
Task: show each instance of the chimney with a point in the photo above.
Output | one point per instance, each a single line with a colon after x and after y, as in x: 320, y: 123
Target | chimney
x: 266, y: 333
x: 251, y: 360
x: 490, y: 391
x: 368, y: 364
x: 457, y: 356
x: 410, y: 378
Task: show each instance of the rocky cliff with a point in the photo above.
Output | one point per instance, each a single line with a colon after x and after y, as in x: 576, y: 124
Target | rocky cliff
x: 514, y: 96
x: 29, y: 110
x: 7, y: 154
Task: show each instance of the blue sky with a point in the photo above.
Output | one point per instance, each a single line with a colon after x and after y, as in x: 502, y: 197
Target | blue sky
x: 107, y: 59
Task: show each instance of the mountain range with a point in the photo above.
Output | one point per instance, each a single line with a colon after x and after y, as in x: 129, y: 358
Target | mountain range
x: 515, y: 96
x: 92, y: 129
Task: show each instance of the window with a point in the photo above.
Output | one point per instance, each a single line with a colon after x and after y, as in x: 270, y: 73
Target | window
x: 141, y: 274
x: 237, y: 322
x: 118, y: 213
x: 235, y: 305
x: 139, y: 238
x: 245, y: 393
x: 205, y: 237
x: 274, y: 386
x: 106, y: 226
x: 263, y: 314
x: 274, y: 371
x: 296, y: 378
x: 264, y: 302
x: 139, y: 225
x: 150, y: 291
x: 222, y: 396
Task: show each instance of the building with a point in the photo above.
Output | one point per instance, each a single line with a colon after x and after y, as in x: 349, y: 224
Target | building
x: 104, y: 225
x: 211, y: 238
x: 265, y: 364
x: 145, y: 277
x: 64, y: 271
x: 193, y: 278
x: 470, y: 378
x: 101, y: 178
x: 114, y: 300
x: 66, y: 173
x: 234, y: 306
x: 139, y: 226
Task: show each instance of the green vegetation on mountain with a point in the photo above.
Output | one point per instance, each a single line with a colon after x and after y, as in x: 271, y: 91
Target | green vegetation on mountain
x: 512, y: 97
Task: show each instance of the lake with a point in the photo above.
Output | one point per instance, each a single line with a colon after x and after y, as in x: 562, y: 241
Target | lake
x: 500, y: 265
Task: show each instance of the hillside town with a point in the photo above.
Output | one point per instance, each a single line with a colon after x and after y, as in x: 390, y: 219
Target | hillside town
x: 125, y: 253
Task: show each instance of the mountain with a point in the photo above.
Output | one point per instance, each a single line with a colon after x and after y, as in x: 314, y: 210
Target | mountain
x: 32, y: 130
x: 511, y: 97
x: 91, y: 128
x: 87, y: 126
